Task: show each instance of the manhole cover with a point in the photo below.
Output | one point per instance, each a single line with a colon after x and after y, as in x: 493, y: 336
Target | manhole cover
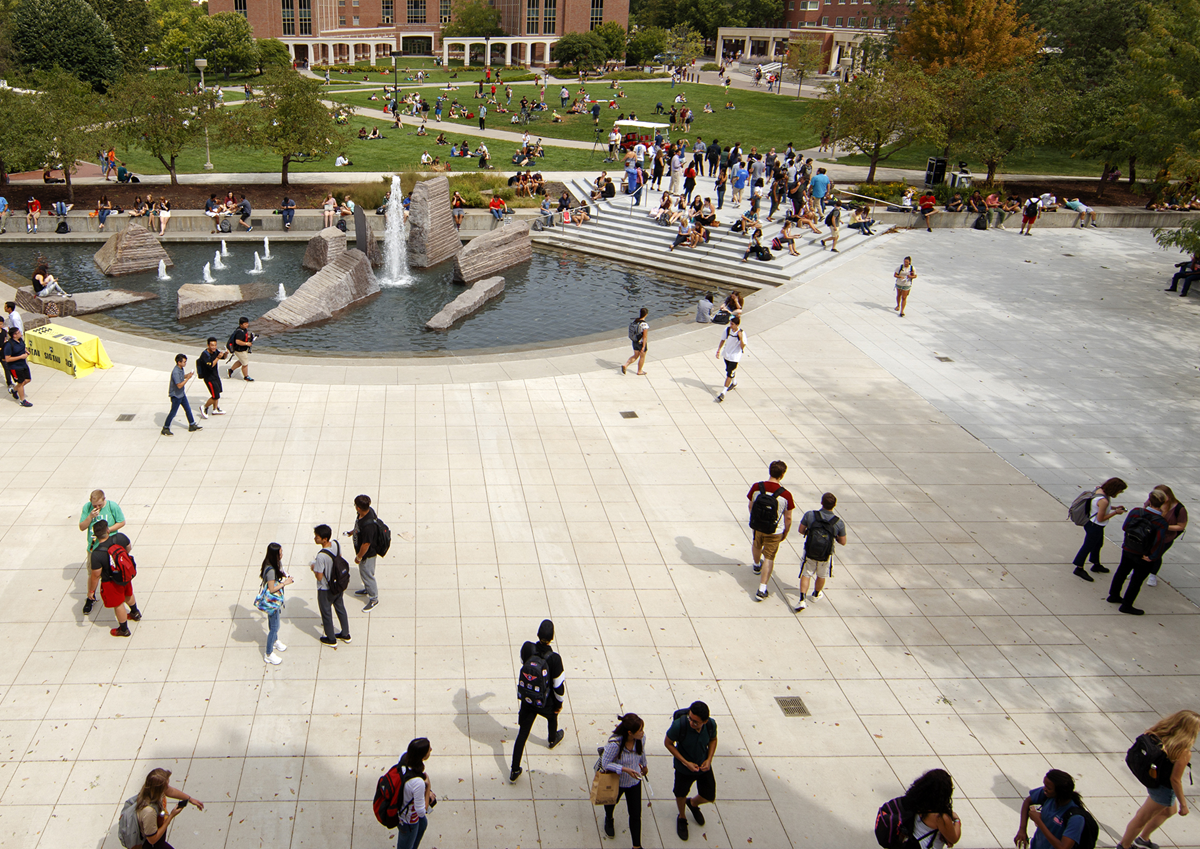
x: 792, y: 706
x: 945, y: 359
x: 126, y: 417
x: 628, y: 414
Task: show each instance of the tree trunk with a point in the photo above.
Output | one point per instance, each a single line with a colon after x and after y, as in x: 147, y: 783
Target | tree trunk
x: 991, y: 174
x: 70, y: 185
x: 1103, y: 179
x: 1132, y: 169
x: 170, y: 166
x: 286, y: 161
x: 3, y: 173
x: 874, y: 162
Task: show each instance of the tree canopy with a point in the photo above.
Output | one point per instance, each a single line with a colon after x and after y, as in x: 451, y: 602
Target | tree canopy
x: 805, y: 55
x: 71, y: 117
x: 614, y: 38
x: 644, y: 44
x: 159, y: 113
x: 473, y: 19
x: 981, y: 35
x: 65, y: 34
x: 226, y: 41
x: 132, y: 26
x: 580, y: 50
x: 23, y: 146
x: 706, y: 16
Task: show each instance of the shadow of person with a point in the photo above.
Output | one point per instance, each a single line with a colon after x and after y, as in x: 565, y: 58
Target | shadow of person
x: 303, y: 618
x: 478, y: 725
x: 248, y: 625
x: 710, y: 561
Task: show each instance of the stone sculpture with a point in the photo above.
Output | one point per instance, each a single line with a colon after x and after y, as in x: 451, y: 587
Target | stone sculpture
x: 468, y: 302
x: 324, y: 248
x: 488, y: 255
x: 131, y: 250
x: 432, y: 237
x: 341, y: 284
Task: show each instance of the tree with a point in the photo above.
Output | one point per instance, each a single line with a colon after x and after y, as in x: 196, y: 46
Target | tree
x: 1107, y: 126
x: 706, y: 16
x: 66, y: 34
x: 132, y: 26
x: 158, y: 113
x: 1089, y: 36
x: 227, y: 42
x: 580, y: 50
x: 805, y: 56
x: 23, y: 147
x: 614, y: 39
x: 883, y: 112
x: 685, y: 44
x: 473, y: 19
x: 70, y: 119
x: 272, y: 53
x: 290, y: 120
x: 175, y: 24
x: 1011, y: 110
x: 645, y: 43
x: 980, y: 35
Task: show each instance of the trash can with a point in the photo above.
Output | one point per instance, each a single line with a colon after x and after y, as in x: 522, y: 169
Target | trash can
x: 935, y: 171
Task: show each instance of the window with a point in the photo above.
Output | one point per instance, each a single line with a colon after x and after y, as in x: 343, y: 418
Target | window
x: 825, y: 21
x: 239, y: 6
x: 597, y: 13
x: 355, y: 20
x: 532, y: 17
x: 444, y: 11
x: 838, y: 23
x: 416, y: 11
x: 289, y: 17
x: 341, y: 2
x: 341, y: 20
x: 550, y: 17
x: 388, y: 9
x: 851, y: 22
x: 791, y: 5
x: 305, y: 17
x: 876, y: 23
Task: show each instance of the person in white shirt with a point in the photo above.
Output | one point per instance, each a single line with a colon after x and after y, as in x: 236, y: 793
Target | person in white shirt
x: 426, y: 159
x: 416, y: 795
x: 733, y: 344
x: 341, y: 161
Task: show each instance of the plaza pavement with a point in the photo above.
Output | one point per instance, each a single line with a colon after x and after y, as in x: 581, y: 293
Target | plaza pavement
x: 952, y: 633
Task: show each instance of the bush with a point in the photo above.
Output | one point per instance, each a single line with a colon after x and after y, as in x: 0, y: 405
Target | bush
x: 710, y: 66
x: 633, y: 75
x: 888, y: 192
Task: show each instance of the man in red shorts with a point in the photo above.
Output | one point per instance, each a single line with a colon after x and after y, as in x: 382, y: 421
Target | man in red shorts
x: 210, y: 373
x: 114, y: 592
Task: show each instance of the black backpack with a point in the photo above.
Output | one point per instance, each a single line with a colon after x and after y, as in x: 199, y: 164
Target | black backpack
x: 893, y: 825
x: 766, y: 510
x: 818, y: 543
x: 341, y: 224
x: 225, y: 226
x: 1031, y: 208
x: 339, y: 574
x: 62, y: 227
x: 533, y: 681
x: 635, y: 331
x: 1140, y: 533
x: 1091, y: 828
x: 1148, y: 762
x: 230, y: 342
x: 383, y: 540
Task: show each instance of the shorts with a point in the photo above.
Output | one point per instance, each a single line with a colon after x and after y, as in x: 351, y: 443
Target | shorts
x: 706, y: 784
x: 816, y: 568
x: 21, y: 375
x: 768, y: 544
x: 1028, y: 219
x: 245, y: 216
x: 214, y: 388
x: 1162, y: 796
x: 243, y: 357
x: 731, y: 367
x: 637, y: 347
x: 114, y: 595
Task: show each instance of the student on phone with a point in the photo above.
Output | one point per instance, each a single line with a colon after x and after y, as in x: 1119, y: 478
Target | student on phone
x: 151, y: 806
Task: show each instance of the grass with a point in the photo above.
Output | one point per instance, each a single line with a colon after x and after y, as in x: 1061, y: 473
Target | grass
x: 1038, y: 160
x: 382, y: 73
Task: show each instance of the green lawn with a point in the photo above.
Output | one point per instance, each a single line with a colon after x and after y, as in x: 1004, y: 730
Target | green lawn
x: 382, y: 73
x: 1038, y: 160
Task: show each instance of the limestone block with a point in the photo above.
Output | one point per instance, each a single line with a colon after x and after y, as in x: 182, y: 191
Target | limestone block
x: 107, y: 299
x: 339, y: 285
x: 130, y: 251
x: 488, y: 255
x: 468, y: 302
x: 373, y: 249
x: 199, y: 298
x: 432, y: 237
x: 324, y: 248
x: 55, y: 306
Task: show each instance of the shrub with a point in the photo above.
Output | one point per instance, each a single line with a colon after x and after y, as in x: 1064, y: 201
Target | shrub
x: 888, y: 192
x: 710, y: 66
x: 633, y: 75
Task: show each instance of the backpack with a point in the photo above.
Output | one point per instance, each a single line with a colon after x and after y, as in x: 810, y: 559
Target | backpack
x: 892, y: 829
x: 124, y: 568
x: 1091, y: 828
x: 829, y: 217
x: 1031, y: 208
x: 339, y: 574
x: 383, y: 540
x: 129, y: 830
x: 341, y: 224
x: 635, y: 331
x: 1140, y: 533
x: 1081, y: 508
x: 981, y: 223
x: 387, y: 797
x: 766, y: 510
x: 777, y: 244
x: 533, y: 681
x: 818, y: 543
x: 762, y: 254
x: 62, y: 227
x: 225, y: 226
x: 1146, y: 754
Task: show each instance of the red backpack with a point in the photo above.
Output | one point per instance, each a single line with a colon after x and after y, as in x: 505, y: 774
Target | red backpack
x: 387, y: 797
x: 124, y: 567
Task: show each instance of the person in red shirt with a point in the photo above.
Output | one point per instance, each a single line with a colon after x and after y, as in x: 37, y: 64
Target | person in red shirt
x: 770, y: 527
x: 498, y: 207
x: 928, y: 207
x: 33, y: 210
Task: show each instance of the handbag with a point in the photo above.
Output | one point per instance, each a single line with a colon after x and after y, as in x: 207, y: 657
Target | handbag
x: 267, y: 601
x: 606, y: 786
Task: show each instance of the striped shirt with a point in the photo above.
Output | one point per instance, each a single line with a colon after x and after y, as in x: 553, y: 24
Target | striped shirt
x: 616, y: 757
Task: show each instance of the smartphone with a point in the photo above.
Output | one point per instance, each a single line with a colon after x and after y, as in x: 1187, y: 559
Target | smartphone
x: 181, y: 805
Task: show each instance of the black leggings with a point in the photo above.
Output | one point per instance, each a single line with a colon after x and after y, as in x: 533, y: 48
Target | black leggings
x: 633, y: 801
x: 1093, y: 541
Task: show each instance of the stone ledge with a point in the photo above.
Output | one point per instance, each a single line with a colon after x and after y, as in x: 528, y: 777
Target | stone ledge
x: 467, y: 303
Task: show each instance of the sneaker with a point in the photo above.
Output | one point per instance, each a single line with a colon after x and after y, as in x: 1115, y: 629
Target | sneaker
x: 345, y: 638
x: 371, y: 605
x: 361, y: 592
x: 248, y: 379
x: 88, y: 604
x: 26, y: 404
x: 803, y: 605
x: 272, y: 659
x: 757, y: 568
x: 515, y: 774
x: 1131, y: 610
x: 1100, y: 570
x: 122, y: 631
x: 558, y: 738
x: 818, y: 594
x: 1114, y: 599
x: 203, y: 413
x: 193, y: 427
x: 681, y: 828
x: 329, y: 641
x: 761, y: 594
x: 230, y: 373
x: 135, y: 615
x: 610, y: 828
x: 249, y: 229
x: 1152, y: 581
x: 166, y: 431
x: 218, y: 412
x: 720, y: 397
x: 1138, y: 841
x: 697, y: 814
x: 279, y: 647
x: 1079, y: 573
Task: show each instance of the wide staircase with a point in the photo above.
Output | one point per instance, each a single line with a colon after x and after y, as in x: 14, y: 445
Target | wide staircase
x: 631, y: 238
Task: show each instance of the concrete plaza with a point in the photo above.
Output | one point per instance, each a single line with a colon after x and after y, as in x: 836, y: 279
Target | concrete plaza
x: 952, y: 632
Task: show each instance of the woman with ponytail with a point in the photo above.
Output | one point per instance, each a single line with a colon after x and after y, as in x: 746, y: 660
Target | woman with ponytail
x: 1176, y: 734
x: 274, y: 579
x: 1056, y: 828
x: 416, y: 797
x: 624, y: 755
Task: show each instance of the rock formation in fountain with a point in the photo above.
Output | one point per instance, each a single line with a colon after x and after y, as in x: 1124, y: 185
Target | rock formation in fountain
x: 468, y: 302
x: 81, y: 303
x: 432, y: 237
x: 199, y: 298
x: 131, y: 250
x: 373, y: 249
x: 488, y: 255
x: 324, y: 248
x: 339, y: 285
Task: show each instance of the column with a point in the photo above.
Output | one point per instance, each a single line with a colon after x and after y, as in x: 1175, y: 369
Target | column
x: 746, y: 49
x: 508, y: 54
x: 445, y: 53
x: 371, y: 48
x: 771, y: 49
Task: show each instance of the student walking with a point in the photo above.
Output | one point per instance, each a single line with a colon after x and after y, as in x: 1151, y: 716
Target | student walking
x: 366, y: 549
x: 98, y: 508
x: 16, y: 363
x: 1141, y: 553
x: 770, y: 506
x: 274, y: 579
x: 177, y: 392
x: 639, y: 335
x: 1177, y: 518
x: 821, y: 529
x: 625, y: 755
x: 732, y: 346
x: 541, y: 690
x: 1100, y: 512
x: 692, y: 742
x: 111, y: 556
x: 330, y: 586
x: 150, y: 809
x: 1057, y: 813
x: 208, y: 364
x: 241, y: 343
x: 1174, y: 737
x: 905, y: 275
x: 12, y: 320
x: 416, y: 794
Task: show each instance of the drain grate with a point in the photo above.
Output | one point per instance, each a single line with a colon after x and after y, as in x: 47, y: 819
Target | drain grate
x: 126, y: 417
x: 792, y: 706
x: 945, y: 360
x: 628, y: 414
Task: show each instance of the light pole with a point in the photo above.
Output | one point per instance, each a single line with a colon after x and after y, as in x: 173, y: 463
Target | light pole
x: 201, y: 64
x: 487, y: 51
x: 396, y: 54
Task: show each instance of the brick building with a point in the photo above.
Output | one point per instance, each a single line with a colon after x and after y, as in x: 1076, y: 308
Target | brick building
x: 330, y: 31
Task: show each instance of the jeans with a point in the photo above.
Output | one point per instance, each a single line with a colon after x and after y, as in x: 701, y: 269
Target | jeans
x: 1137, y: 570
x: 272, y: 629
x: 633, y: 801
x: 525, y: 718
x: 1093, y: 541
x: 328, y: 602
x: 366, y: 571
x: 637, y: 196
x: 720, y: 196
x: 497, y: 214
x: 1187, y: 284
x: 288, y: 215
x: 178, y: 401
x: 103, y: 215
x: 410, y: 835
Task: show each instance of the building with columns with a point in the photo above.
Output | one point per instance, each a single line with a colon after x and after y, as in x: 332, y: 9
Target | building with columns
x: 344, y: 31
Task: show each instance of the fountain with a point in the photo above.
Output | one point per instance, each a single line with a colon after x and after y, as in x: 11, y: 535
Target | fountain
x: 395, y: 247
x: 208, y: 278
x: 217, y: 264
x: 257, y: 265
x: 162, y: 270
x: 266, y: 247
x: 282, y: 295
x: 224, y: 248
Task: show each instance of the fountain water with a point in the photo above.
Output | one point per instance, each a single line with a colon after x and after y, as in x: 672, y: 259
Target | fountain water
x: 162, y: 270
x: 395, y: 245
x: 217, y: 264
x: 282, y: 295
x: 224, y: 249
x: 208, y: 278
x: 257, y: 265
x: 266, y: 247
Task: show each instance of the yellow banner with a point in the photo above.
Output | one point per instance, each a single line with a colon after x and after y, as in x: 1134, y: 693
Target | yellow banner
x: 68, y: 350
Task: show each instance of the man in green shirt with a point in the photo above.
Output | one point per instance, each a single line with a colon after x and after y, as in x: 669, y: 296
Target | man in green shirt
x: 692, y: 741
x: 97, y: 507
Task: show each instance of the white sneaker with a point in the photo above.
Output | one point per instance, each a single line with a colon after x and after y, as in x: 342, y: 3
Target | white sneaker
x: 818, y: 594
x: 204, y: 412
x: 218, y: 412
x: 272, y: 659
x: 1152, y: 581
x: 802, y: 605
x: 279, y: 647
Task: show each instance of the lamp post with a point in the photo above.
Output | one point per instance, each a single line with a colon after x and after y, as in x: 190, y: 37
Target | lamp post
x: 487, y: 51
x: 201, y: 64
x: 396, y: 54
